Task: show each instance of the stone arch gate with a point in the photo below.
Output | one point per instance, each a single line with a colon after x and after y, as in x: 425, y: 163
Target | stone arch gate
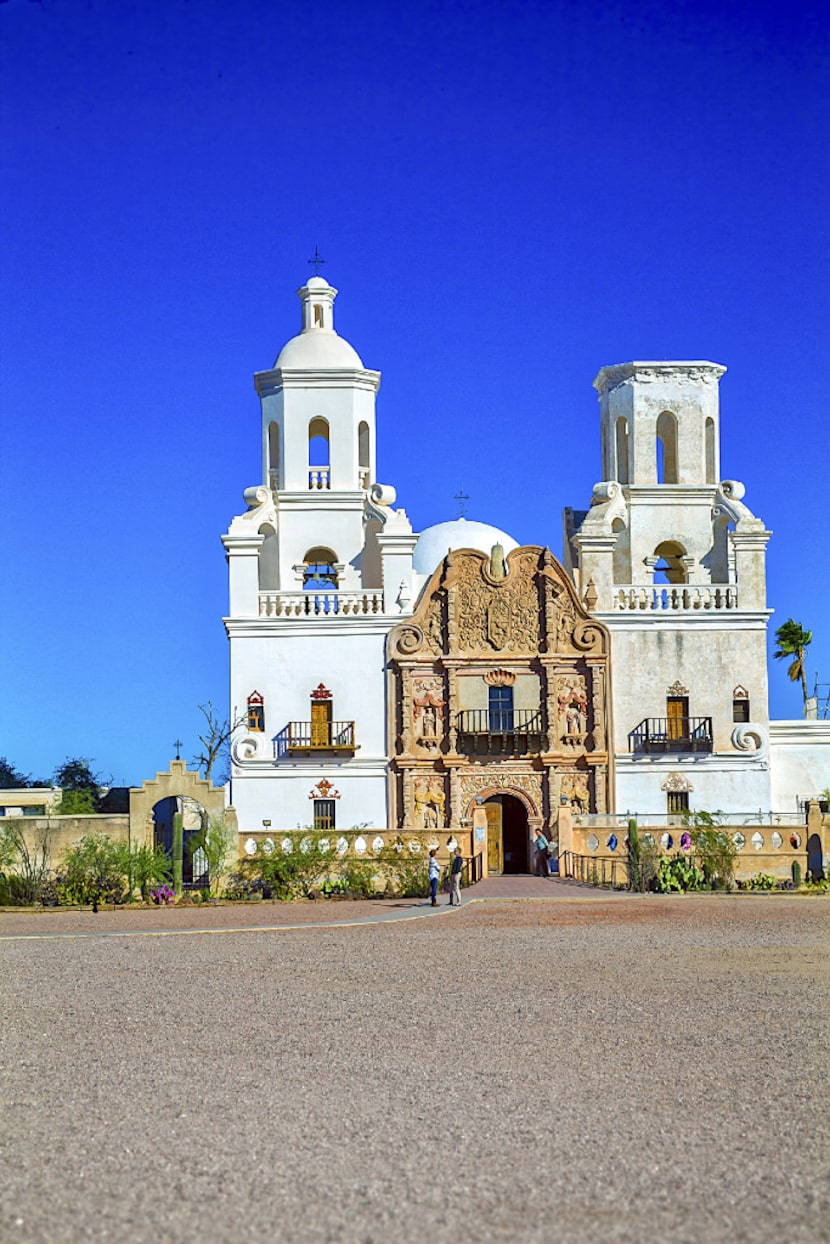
x: 177, y: 782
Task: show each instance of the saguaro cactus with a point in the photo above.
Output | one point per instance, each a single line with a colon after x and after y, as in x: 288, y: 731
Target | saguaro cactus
x: 633, y: 855
x: 178, y: 852
x: 796, y: 874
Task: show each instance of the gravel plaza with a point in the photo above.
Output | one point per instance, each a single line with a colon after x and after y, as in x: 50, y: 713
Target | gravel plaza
x: 542, y: 1064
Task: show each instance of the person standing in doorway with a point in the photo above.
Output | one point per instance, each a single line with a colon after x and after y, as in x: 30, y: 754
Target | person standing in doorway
x: 455, y: 877
x: 434, y: 874
x: 542, y: 846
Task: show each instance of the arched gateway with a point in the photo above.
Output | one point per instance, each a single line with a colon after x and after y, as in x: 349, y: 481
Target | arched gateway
x: 501, y: 693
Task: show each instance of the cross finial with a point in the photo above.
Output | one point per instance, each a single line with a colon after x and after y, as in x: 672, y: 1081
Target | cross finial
x: 316, y: 260
x: 177, y: 743
x: 461, y: 497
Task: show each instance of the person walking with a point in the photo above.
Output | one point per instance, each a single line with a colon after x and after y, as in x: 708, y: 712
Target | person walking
x: 542, y: 846
x: 434, y: 874
x: 455, y: 877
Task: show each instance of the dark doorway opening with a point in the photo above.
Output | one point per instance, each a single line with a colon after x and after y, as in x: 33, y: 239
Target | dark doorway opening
x: 515, y: 834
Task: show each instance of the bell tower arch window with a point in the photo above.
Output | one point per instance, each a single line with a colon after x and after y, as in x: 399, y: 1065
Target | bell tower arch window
x: 666, y: 448
x: 670, y: 566
x: 318, y: 453
x: 318, y: 315
x: 320, y: 570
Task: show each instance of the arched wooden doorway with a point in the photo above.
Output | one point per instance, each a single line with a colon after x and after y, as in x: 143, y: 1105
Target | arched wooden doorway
x: 508, y: 834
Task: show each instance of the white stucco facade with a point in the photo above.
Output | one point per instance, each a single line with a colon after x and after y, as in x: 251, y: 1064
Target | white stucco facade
x: 668, y: 556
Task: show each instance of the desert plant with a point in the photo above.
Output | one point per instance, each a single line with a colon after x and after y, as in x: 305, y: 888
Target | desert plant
x: 796, y: 871
x: 291, y: 874
x: 714, y: 852
x: 93, y: 871
x: 633, y: 855
x: 763, y: 881
x: 218, y: 841
x: 26, y: 851
x: 143, y: 866
x: 677, y: 873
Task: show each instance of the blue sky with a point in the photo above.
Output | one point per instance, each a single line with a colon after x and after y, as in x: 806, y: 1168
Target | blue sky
x: 508, y: 197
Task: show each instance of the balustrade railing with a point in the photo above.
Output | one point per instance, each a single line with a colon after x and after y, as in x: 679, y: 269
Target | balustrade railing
x: 323, y: 603
x: 308, y: 736
x: 672, y: 734
x: 667, y: 597
x: 319, y: 477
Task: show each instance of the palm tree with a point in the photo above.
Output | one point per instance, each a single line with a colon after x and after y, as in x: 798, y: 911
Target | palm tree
x: 793, y: 641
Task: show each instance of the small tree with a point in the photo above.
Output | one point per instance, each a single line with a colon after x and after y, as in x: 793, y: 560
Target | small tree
x: 80, y: 787
x: 93, y: 871
x: 219, y: 843
x: 214, y: 739
x: 793, y: 641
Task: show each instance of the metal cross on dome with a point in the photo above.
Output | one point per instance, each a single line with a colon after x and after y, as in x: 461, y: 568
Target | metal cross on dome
x: 316, y: 260
x: 461, y: 497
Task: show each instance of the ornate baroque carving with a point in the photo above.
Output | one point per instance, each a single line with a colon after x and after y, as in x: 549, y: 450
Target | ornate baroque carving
x: 499, y: 678
x: 576, y: 788
x: 677, y: 688
x: 429, y: 802
x: 677, y: 782
x: 571, y: 710
x: 427, y: 710
x: 487, y: 779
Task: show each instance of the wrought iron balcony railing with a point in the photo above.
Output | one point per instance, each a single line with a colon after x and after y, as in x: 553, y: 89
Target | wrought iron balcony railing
x: 500, y: 721
x: 307, y: 736
x: 483, y: 731
x: 672, y: 734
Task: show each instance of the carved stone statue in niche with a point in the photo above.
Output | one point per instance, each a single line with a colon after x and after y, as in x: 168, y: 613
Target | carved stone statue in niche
x: 429, y: 802
x: 572, y: 711
x: 428, y: 710
x: 576, y: 787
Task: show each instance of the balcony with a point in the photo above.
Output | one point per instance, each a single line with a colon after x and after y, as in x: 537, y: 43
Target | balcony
x: 675, y: 597
x: 306, y: 737
x: 319, y: 603
x: 672, y: 734
x: 493, y: 732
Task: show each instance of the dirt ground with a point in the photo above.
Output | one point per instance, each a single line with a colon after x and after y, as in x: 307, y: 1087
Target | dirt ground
x: 558, y: 1066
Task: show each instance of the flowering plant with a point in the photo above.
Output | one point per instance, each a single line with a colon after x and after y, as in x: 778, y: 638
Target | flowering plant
x: 165, y: 895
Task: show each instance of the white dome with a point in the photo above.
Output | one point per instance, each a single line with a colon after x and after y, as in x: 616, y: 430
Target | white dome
x: 318, y: 347
x: 435, y: 542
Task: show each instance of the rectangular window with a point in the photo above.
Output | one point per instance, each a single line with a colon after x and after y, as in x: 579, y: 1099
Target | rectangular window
x: 678, y: 800
x: 256, y: 713
x: 501, y: 710
x: 324, y: 814
x: 740, y: 709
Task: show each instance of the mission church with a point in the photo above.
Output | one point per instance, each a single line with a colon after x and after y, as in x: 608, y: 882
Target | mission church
x: 399, y: 680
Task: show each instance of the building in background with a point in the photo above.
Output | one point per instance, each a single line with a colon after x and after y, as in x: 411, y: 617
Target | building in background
x: 396, y: 680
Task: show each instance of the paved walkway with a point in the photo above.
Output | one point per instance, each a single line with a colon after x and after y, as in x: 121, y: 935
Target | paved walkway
x: 27, y: 924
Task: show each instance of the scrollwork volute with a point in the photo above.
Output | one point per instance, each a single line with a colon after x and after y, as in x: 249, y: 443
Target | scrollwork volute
x: 408, y: 639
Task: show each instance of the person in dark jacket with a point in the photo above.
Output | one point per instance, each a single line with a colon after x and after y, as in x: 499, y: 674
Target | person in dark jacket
x: 455, y: 877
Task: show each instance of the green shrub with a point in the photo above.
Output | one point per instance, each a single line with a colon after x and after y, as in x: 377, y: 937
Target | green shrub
x: 678, y: 874
x: 714, y: 852
x: 763, y: 881
x: 143, y: 866
x: 93, y: 871
x: 25, y: 851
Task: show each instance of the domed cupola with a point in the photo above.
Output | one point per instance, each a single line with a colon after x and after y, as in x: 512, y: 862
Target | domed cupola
x: 317, y: 345
x: 461, y: 533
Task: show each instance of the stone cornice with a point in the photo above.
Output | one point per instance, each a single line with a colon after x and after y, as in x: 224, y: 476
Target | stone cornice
x: 269, y: 382
x: 688, y: 619
x: 697, y: 371
x: 321, y: 499
x: 262, y: 628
